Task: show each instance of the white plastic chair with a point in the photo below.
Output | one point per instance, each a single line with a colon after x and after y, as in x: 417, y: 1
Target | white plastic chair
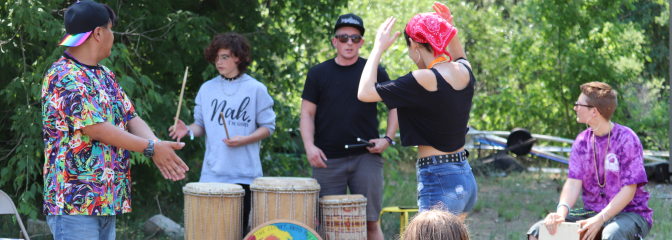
x: 7, y: 207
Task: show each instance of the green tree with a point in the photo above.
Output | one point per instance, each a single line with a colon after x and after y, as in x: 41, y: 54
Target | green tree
x: 154, y: 42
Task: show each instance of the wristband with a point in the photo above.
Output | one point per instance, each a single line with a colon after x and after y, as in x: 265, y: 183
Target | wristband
x: 563, y: 204
x: 191, y: 134
x: 390, y: 140
x: 603, y: 218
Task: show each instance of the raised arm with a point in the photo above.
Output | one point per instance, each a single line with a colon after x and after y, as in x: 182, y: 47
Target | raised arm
x: 454, y: 46
x: 367, y: 83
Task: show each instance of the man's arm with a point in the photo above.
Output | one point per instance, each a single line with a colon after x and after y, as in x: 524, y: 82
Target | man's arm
x: 622, y: 199
x: 139, y: 127
x: 592, y: 226
x: 381, y: 143
x: 307, y: 127
x: 392, y: 123
x: 570, y: 193
x: 170, y: 165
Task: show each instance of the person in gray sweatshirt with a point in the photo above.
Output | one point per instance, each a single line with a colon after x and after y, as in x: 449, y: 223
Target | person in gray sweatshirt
x: 248, y: 112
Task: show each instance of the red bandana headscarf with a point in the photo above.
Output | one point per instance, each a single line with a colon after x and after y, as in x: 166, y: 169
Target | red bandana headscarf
x: 433, y: 29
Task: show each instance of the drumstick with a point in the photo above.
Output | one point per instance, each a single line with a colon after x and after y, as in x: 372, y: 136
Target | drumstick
x: 179, y: 104
x: 221, y: 114
x: 368, y: 144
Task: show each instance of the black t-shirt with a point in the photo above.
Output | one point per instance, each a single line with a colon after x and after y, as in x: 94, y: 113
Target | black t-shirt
x: 438, y: 119
x: 340, y: 117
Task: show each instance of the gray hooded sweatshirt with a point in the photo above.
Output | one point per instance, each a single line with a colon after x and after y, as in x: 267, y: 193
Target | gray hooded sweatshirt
x: 247, y: 106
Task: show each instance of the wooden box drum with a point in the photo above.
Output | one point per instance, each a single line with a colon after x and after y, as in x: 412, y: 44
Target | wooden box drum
x: 284, y: 198
x: 213, y: 210
x: 564, y: 231
x: 343, y: 217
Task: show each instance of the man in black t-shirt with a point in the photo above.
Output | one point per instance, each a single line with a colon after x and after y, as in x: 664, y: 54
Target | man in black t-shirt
x: 332, y: 117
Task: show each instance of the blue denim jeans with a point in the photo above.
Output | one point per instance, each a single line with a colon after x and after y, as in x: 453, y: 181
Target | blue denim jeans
x: 84, y: 227
x: 451, y: 186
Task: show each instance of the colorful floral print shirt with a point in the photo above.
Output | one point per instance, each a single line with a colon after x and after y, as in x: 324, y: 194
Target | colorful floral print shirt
x: 83, y: 176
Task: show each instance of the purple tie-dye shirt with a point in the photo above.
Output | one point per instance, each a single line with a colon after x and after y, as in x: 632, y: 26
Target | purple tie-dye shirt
x: 624, y: 164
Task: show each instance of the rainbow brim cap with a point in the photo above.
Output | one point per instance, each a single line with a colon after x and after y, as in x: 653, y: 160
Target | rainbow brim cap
x: 73, y: 40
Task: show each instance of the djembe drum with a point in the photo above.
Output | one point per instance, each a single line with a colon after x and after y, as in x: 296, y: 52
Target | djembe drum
x: 284, y: 198
x: 343, y: 217
x: 213, y: 211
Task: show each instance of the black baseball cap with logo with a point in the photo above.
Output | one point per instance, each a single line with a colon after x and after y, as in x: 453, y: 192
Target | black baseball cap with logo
x: 81, y: 18
x: 350, y: 20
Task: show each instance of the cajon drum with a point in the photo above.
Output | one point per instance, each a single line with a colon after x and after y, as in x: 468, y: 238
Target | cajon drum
x: 565, y: 231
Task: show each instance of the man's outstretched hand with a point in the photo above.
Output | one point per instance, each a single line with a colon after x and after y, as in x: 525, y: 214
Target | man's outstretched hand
x: 171, y: 166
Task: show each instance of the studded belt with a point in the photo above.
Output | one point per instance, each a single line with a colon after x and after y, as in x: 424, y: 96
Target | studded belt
x: 448, y: 158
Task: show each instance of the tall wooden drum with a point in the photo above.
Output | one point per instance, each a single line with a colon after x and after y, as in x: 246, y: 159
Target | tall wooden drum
x: 284, y: 198
x: 343, y: 217
x: 213, y: 211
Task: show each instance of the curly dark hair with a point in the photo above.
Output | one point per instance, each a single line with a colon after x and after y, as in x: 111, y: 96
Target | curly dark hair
x: 236, y: 43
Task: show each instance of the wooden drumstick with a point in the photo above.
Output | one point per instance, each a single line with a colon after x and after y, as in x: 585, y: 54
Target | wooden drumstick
x: 221, y: 114
x: 179, y: 104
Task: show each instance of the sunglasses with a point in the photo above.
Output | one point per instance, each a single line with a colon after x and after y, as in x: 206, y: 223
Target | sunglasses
x: 577, y: 104
x: 344, y: 38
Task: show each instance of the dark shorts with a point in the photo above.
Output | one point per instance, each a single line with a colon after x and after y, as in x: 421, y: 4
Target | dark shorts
x: 625, y: 225
x: 362, y: 174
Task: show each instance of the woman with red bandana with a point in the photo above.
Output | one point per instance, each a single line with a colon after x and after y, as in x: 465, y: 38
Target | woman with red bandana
x: 433, y: 105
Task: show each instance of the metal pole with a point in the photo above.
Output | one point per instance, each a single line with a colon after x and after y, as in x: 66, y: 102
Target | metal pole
x: 669, y: 25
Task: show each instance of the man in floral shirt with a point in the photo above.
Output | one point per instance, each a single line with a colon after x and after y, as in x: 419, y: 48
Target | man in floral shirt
x: 89, y: 126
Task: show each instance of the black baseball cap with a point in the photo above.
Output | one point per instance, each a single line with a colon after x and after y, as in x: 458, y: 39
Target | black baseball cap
x: 350, y: 20
x: 81, y: 18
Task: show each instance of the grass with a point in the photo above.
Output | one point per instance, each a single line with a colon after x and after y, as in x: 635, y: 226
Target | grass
x: 508, y: 206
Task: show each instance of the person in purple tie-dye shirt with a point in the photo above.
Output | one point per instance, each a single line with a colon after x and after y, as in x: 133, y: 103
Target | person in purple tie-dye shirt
x: 607, y: 163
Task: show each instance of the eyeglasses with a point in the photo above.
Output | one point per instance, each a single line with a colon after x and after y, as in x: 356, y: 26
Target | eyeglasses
x: 577, y: 104
x: 344, y: 38
x: 222, y: 57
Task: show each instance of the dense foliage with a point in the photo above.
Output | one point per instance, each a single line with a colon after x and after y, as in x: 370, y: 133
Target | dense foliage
x: 529, y: 58
x: 154, y: 42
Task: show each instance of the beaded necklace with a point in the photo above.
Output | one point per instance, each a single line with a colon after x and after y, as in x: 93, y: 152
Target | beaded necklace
x: 597, y: 174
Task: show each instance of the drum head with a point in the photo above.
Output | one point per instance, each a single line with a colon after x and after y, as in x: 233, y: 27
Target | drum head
x: 282, y: 229
x: 284, y: 183
x: 209, y: 188
x: 340, y: 199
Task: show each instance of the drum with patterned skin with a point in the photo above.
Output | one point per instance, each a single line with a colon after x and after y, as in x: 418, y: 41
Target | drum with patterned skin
x: 213, y: 210
x: 343, y: 217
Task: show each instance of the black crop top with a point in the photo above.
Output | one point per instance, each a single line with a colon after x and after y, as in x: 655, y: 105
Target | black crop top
x: 438, y: 119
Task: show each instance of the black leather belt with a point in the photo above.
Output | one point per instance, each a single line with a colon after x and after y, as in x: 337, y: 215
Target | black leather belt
x: 448, y: 158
